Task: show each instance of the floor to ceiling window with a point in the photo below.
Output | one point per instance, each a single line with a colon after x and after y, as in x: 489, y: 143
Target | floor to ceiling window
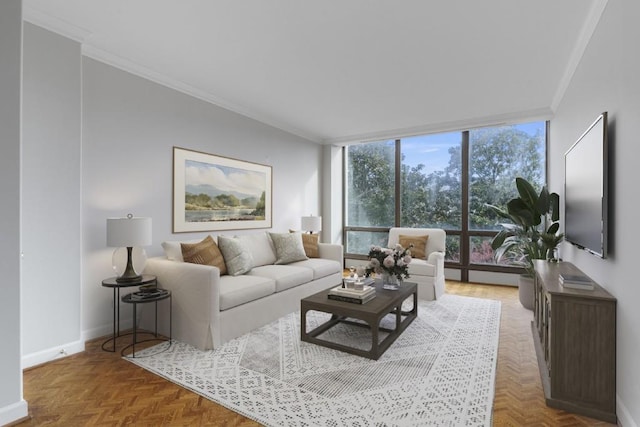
x: 443, y: 181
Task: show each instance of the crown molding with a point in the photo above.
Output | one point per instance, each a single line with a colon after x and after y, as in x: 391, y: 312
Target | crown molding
x: 589, y: 27
x: 457, y: 125
x: 81, y: 35
x: 164, y: 80
x: 56, y: 25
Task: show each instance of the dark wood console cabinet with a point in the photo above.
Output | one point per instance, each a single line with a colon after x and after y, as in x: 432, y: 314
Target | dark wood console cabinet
x: 574, y: 332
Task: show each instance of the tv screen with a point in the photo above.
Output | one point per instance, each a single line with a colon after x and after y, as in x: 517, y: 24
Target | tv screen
x: 585, y: 190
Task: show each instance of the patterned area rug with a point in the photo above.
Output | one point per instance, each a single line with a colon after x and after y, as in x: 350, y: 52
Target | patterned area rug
x: 439, y: 372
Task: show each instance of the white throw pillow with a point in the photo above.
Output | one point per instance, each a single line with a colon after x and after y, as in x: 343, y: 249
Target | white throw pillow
x: 289, y: 247
x: 173, y: 248
x: 236, y: 256
x: 261, y: 248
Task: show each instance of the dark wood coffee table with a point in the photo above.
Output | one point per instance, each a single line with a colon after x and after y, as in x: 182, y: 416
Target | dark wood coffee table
x: 386, y: 302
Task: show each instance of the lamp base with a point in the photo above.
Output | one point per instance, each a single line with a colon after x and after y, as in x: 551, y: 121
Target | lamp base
x: 120, y: 262
x: 129, y: 275
x: 131, y: 279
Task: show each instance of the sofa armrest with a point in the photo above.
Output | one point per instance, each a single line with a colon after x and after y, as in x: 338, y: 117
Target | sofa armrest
x: 195, y: 291
x: 195, y: 284
x: 331, y: 251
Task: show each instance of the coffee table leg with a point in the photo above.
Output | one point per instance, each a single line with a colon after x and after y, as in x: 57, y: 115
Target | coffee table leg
x: 374, y: 339
x: 303, y: 323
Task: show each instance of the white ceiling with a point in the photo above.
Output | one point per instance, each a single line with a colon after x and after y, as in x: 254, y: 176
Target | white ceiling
x: 336, y: 71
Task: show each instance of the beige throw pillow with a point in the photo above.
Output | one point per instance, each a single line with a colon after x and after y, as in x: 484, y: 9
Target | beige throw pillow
x: 310, y: 244
x: 205, y: 252
x: 419, y: 248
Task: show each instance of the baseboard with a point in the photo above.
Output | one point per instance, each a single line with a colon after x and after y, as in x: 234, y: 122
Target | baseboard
x: 14, y: 413
x: 624, y: 417
x: 64, y: 350
x: 105, y: 330
x: 53, y: 353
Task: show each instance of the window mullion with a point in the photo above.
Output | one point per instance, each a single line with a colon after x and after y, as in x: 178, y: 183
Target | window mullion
x: 464, y: 235
x: 398, y: 189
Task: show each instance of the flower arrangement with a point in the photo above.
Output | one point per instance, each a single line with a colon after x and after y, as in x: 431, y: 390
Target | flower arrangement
x: 394, y: 262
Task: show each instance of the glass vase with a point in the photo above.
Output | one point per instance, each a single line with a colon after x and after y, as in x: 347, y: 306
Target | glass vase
x: 390, y: 282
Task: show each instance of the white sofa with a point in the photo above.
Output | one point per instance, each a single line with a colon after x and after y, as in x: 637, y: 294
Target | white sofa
x: 428, y: 273
x: 209, y: 309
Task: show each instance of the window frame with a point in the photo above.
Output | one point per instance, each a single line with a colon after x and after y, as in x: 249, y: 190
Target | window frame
x: 465, y: 233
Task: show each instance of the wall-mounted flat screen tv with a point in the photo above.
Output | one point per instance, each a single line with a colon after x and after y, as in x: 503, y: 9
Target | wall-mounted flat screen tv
x: 585, y: 189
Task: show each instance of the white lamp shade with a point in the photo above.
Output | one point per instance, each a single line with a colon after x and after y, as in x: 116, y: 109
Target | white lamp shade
x: 129, y: 232
x: 311, y: 223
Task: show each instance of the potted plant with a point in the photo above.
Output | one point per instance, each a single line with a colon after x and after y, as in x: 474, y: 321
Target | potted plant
x: 531, y: 234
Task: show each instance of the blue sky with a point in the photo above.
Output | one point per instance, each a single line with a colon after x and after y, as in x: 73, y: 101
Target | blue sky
x: 433, y: 150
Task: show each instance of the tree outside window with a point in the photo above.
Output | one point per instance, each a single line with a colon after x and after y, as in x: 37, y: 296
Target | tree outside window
x: 431, y: 184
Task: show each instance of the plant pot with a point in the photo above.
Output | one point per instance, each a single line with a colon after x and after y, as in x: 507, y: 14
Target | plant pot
x: 525, y: 291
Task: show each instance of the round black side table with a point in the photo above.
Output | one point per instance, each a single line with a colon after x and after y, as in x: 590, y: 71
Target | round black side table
x: 134, y: 300
x: 112, y: 282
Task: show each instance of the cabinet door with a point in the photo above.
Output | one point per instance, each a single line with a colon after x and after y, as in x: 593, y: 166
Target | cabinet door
x: 583, y: 352
x: 547, y: 331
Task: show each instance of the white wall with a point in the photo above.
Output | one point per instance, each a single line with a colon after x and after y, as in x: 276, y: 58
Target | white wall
x: 607, y: 79
x: 129, y: 128
x: 51, y: 151
x: 12, y: 406
x: 332, y: 194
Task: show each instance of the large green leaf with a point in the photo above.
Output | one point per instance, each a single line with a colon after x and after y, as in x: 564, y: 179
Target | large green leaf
x: 542, y: 204
x: 525, y: 214
x: 527, y: 192
x: 499, y: 211
x: 498, y: 240
x: 554, y: 200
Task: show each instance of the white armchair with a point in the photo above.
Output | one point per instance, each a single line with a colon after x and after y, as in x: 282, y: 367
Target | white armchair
x: 428, y: 273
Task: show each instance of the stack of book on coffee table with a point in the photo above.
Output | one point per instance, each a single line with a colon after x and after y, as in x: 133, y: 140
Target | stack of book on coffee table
x: 351, y: 295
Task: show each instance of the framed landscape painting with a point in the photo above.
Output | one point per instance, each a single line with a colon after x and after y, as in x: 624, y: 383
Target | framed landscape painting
x: 218, y: 193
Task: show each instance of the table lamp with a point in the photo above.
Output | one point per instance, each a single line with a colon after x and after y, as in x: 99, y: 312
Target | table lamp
x: 311, y: 223
x: 129, y: 232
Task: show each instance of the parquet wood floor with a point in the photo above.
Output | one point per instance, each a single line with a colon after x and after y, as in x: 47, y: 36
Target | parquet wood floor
x: 97, y: 388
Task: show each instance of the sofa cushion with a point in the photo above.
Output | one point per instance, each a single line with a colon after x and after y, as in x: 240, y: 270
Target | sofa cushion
x: 237, y: 290
x: 261, y: 248
x: 419, y: 245
x: 289, y: 247
x: 321, y: 267
x: 420, y: 267
x: 237, y: 258
x: 205, y: 252
x: 285, y: 276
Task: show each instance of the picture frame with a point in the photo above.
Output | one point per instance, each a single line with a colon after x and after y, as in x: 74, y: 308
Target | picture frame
x: 213, y: 193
